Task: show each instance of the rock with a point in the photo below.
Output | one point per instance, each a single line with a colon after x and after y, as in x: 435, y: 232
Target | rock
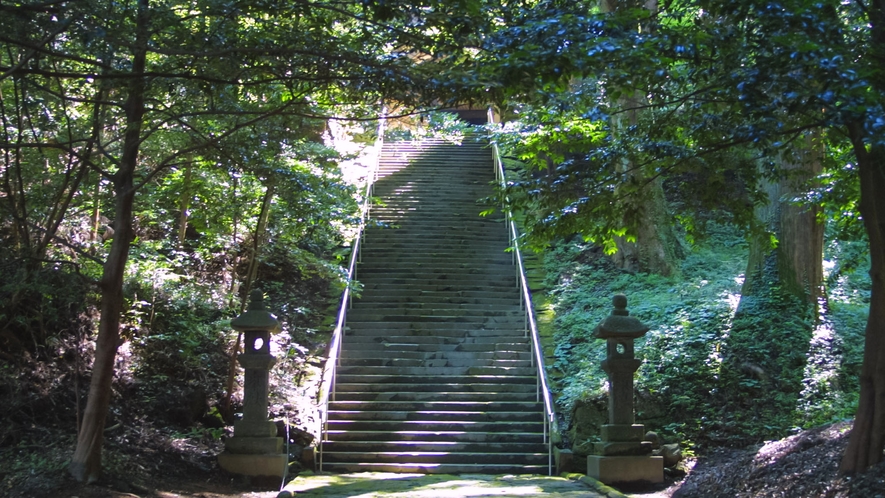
x: 186, y: 405
x: 308, y: 458
x: 653, y: 438
x: 672, y: 454
x: 587, y: 418
x: 564, y: 460
x: 297, y: 436
x: 584, y: 447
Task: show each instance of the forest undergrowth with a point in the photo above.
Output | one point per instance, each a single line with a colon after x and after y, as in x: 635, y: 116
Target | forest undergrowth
x: 710, y: 376
x: 167, y: 416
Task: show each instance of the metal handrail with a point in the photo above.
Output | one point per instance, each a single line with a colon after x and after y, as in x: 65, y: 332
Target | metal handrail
x: 531, y: 324
x: 327, y: 388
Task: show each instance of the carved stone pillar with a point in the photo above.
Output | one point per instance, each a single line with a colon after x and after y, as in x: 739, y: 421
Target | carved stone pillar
x: 255, y: 449
x: 622, y: 455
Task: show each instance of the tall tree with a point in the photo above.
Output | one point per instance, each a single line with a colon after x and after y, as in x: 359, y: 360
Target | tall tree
x: 728, y: 84
x: 794, y: 261
x: 183, y: 78
x: 653, y: 245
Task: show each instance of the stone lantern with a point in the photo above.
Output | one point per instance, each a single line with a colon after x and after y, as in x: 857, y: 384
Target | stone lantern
x: 622, y: 455
x: 255, y: 449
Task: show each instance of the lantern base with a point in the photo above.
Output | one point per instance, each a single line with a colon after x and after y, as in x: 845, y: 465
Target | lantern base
x: 625, y: 469
x: 273, y: 465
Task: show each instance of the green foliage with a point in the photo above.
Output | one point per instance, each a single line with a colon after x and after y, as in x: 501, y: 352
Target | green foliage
x: 434, y: 125
x: 709, y: 375
x: 763, y: 366
x: 42, y: 306
x: 701, y: 95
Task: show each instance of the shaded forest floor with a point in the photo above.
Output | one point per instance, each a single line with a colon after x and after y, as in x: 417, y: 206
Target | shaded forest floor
x: 150, y: 463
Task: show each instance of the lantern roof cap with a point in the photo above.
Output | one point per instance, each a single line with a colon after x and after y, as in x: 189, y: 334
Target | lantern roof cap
x: 619, y: 323
x: 256, y: 316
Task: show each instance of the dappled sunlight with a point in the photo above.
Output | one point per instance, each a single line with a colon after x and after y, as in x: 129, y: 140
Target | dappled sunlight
x: 378, y: 484
x: 820, y: 379
x: 472, y: 487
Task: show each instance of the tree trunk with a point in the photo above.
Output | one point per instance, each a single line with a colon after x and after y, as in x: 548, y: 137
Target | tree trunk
x: 251, y: 273
x: 257, y: 238
x: 657, y: 248
x: 867, y: 438
x: 795, y: 263
x: 86, y: 463
x: 184, y: 203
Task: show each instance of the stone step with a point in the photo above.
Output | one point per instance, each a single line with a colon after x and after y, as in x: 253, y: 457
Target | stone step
x: 426, y: 196
x: 368, y: 314
x: 442, y: 283
x: 469, y: 228
x: 374, y: 332
x: 436, y: 468
x: 390, y: 241
x: 484, y: 406
x: 495, y: 255
x: 464, y: 201
x: 424, y: 163
x: 405, y: 178
x: 358, y: 338
x: 411, y: 307
x: 433, y: 373
x: 438, y: 147
x: 456, y: 356
x: 488, y: 385
x: 401, y: 213
x: 437, y: 416
x: 445, y: 150
x: 465, y: 160
x: 453, y: 239
x: 386, y: 300
x: 447, y: 294
x: 398, y: 225
x: 452, y: 313
x: 339, y: 435
x: 411, y: 161
x: 453, y: 335
x: 408, y: 362
x: 389, y: 348
x: 436, y: 270
x: 365, y: 337
x: 447, y: 446
x: 430, y: 325
x: 404, y: 182
x: 441, y: 457
x: 398, y: 218
x: 432, y: 194
x: 392, y: 289
x: 432, y: 425
x: 490, y: 396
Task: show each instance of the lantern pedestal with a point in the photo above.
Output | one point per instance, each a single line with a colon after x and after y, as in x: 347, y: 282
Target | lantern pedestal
x: 265, y: 465
x: 621, y: 469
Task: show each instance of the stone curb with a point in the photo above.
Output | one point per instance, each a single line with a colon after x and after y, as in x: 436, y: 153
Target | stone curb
x: 597, y: 486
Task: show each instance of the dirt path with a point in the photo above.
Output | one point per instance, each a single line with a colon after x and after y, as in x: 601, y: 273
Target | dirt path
x: 377, y: 484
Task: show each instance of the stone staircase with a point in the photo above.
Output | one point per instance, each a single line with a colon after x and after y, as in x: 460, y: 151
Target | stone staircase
x: 436, y: 373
